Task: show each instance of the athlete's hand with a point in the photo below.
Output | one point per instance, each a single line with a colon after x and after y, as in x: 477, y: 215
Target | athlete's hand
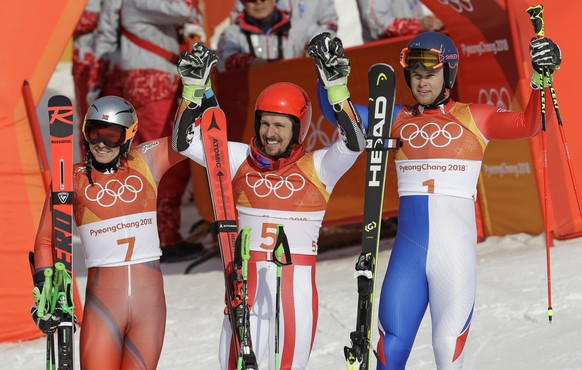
x: 194, y: 69
x: 545, y: 53
x: 332, y: 67
x: 47, y: 323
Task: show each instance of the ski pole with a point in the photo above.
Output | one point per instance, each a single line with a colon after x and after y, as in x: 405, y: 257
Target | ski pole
x: 278, y: 254
x: 44, y: 306
x: 45, y: 297
x: 536, y: 16
x: 281, y: 246
x: 246, y: 358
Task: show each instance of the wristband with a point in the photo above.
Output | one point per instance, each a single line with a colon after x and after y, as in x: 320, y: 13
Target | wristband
x: 536, y: 80
x: 337, y: 94
x: 193, y: 93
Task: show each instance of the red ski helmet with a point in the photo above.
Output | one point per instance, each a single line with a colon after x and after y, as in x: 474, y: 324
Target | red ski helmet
x: 289, y: 99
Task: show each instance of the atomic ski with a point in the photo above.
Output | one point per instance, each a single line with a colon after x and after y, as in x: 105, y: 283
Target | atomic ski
x: 214, y: 139
x: 382, y: 86
x: 60, y: 111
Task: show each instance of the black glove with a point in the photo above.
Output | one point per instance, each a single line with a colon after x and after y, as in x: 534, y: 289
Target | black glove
x: 47, y: 323
x: 195, y: 68
x: 544, y: 53
x: 332, y: 66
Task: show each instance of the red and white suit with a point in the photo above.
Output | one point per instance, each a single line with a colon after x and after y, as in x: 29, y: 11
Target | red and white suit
x: 296, y: 196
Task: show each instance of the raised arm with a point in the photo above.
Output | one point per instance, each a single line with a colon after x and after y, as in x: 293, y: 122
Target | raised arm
x: 546, y: 54
x: 333, y: 69
x: 194, y: 69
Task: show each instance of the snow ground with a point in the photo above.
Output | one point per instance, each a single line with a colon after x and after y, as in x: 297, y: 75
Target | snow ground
x: 510, y: 329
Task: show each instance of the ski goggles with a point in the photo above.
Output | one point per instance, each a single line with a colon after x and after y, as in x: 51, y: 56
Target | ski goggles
x: 426, y: 59
x: 108, y: 134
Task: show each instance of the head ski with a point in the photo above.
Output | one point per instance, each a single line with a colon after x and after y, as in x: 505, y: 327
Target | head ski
x: 382, y: 86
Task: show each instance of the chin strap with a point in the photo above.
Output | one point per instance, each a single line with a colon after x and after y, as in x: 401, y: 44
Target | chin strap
x: 265, y: 161
x: 442, y: 99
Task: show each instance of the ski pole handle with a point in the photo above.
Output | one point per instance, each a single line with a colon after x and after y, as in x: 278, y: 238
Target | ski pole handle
x: 537, y: 19
x: 281, y: 246
x: 245, y: 250
x: 58, y: 283
x: 536, y: 15
x: 46, y: 291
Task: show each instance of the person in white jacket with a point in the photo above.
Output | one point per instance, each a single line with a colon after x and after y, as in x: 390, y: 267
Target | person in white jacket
x: 266, y: 30
x: 382, y: 19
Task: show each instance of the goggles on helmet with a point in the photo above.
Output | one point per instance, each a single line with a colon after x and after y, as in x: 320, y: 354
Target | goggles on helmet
x: 112, y: 136
x: 427, y: 59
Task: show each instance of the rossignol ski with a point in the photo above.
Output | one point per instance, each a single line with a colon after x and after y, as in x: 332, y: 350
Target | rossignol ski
x: 214, y: 139
x: 382, y: 86
x: 60, y: 111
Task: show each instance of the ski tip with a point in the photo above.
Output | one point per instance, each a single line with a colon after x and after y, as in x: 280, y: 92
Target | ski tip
x: 213, y: 118
x: 381, y: 66
x: 381, y: 74
x: 59, y: 100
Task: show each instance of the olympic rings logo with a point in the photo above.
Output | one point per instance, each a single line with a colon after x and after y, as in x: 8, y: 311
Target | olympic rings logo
x: 500, y: 99
x: 458, y: 5
x: 282, y: 187
x: 114, y: 189
x: 420, y: 137
x: 317, y: 134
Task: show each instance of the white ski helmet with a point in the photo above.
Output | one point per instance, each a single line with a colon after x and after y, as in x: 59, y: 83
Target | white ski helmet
x: 110, y: 112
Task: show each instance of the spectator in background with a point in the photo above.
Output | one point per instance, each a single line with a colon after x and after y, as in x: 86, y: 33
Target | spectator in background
x: 382, y: 19
x: 190, y: 34
x: 83, y: 53
x: 266, y: 30
x: 149, y: 49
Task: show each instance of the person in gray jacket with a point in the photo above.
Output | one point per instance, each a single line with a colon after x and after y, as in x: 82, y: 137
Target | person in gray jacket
x: 267, y: 30
x: 382, y: 19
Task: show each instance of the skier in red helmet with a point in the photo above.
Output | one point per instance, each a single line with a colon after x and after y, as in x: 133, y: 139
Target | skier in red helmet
x: 275, y: 181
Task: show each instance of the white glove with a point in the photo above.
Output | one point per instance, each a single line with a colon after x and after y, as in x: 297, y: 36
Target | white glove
x: 333, y: 68
x: 194, y: 69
